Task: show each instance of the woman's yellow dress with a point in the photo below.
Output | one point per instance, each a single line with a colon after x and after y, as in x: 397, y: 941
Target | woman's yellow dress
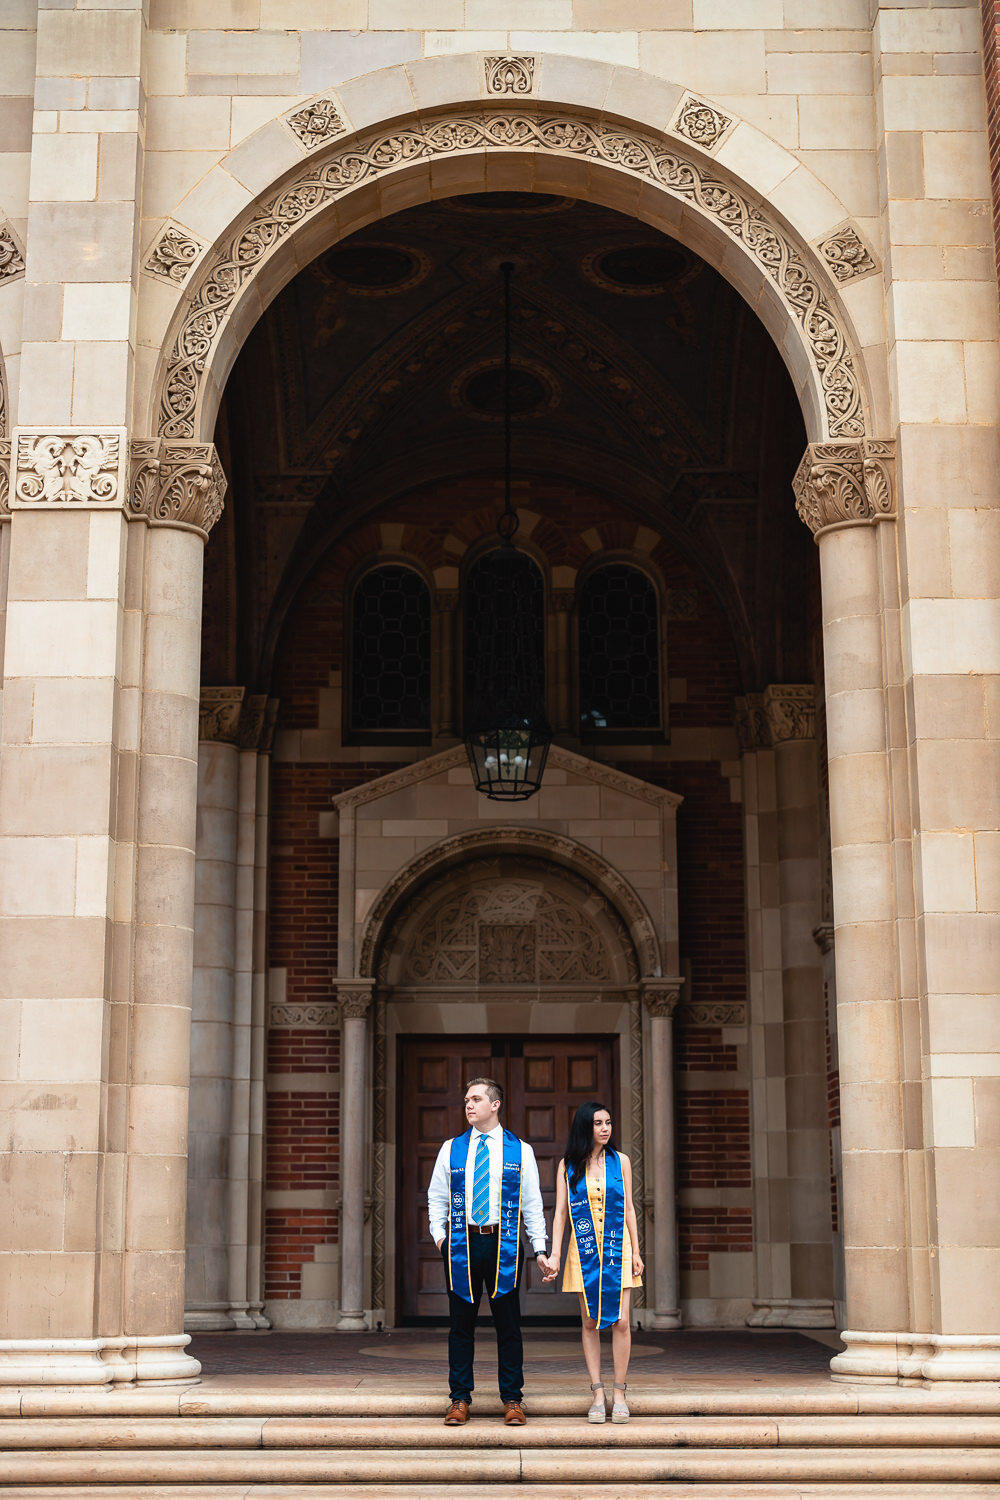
x: 573, y: 1276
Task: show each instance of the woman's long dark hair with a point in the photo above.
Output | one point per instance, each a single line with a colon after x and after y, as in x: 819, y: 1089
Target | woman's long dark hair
x: 581, y: 1141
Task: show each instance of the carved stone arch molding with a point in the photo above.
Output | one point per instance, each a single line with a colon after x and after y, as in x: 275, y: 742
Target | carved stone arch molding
x: 528, y: 844
x: 668, y: 181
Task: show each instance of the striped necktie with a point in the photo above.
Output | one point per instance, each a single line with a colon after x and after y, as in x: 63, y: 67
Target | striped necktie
x: 481, y: 1184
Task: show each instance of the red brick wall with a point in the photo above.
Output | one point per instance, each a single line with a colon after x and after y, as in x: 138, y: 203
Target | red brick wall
x: 713, y: 1123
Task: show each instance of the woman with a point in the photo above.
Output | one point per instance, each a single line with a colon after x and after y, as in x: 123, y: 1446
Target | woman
x: 594, y: 1191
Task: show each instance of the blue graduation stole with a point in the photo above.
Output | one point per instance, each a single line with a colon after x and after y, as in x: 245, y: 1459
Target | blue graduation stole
x: 601, y: 1265
x: 508, y: 1251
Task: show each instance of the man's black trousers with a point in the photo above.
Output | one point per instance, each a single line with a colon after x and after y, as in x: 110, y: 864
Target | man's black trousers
x: 506, y: 1312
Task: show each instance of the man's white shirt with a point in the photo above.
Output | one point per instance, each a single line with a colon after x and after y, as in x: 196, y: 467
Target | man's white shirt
x: 439, y: 1190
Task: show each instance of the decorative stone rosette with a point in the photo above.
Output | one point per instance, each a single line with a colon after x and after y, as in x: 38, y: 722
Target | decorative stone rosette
x: 846, y: 484
x: 174, y: 483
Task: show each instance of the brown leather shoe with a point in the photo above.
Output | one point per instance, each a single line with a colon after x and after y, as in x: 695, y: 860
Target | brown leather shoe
x: 514, y: 1414
x: 458, y: 1414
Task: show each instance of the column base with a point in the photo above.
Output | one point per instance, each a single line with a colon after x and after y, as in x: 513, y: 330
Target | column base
x: 212, y: 1318
x: 928, y: 1359
x: 659, y: 1318
x: 98, y: 1363
x: 792, y: 1312
x: 255, y: 1311
x: 352, y: 1322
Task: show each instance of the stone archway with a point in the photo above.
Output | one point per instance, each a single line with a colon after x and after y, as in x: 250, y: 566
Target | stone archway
x: 329, y: 182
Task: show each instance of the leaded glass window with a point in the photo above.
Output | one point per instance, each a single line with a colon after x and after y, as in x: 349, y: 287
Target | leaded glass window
x: 508, y: 672
x: 390, y: 690
x: 619, y: 652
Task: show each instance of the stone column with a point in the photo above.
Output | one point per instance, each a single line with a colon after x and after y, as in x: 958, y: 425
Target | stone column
x: 791, y: 1139
x: 213, y: 1014
x: 258, y: 1024
x: 355, y: 998
x: 843, y: 492
x: 660, y: 997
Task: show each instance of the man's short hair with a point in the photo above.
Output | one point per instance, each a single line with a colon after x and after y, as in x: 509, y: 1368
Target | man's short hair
x: 493, y: 1089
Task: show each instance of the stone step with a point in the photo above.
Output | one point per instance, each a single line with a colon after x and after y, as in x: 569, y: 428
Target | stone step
x: 488, y: 1431
x: 778, y: 1491
x: 597, y: 1466
x: 312, y: 1399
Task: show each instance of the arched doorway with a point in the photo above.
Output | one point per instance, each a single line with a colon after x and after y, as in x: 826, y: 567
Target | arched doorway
x: 519, y: 970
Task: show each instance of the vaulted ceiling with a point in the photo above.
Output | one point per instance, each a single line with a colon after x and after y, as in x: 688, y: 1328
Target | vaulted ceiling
x: 638, y: 370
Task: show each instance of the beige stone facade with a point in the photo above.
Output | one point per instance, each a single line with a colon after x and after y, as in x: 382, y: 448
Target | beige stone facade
x: 165, y: 171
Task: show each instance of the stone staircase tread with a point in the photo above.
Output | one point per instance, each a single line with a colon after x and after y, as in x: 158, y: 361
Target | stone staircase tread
x: 516, y: 1465
x: 709, y: 1491
x: 485, y: 1432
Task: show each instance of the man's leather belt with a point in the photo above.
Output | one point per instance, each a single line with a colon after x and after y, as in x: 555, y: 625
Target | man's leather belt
x: 483, y: 1228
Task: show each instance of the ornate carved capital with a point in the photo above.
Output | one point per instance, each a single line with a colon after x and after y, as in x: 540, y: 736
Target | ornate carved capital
x: 846, y: 484
x: 823, y: 936
x: 78, y: 470
x: 661, y: 996
x: 446, y: 600
x: 563, y: 600
x: 354, y: 997
x: 783, y: 711
x: 219, y: 713
x: 509, y: 74
x: 176, y: 483
x: 791, y: 711
x: 4, y: 480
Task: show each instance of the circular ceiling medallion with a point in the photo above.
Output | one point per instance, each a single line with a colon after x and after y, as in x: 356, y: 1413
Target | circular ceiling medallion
x: 637, y: 270
x: 368, y: 270
x: 479, y: 389
x: 510, y: 203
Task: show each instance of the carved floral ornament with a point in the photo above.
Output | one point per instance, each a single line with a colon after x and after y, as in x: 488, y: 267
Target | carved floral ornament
x: 176, y: 484
x: 348, y: 165
x: 846, y: 484
x: 11, y: 259
x: 4, y: 479
x: 509, y: 74
x: 317, y: 123
x: 173, y: 255
x: 701, y: 123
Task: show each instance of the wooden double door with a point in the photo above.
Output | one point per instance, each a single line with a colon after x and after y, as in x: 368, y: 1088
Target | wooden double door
x: 545, y: 1080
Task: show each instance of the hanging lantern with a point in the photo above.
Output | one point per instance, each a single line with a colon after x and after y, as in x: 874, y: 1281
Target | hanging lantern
x: 507, y: 733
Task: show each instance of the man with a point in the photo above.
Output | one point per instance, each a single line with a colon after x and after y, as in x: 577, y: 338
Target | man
x: 482, y: 1184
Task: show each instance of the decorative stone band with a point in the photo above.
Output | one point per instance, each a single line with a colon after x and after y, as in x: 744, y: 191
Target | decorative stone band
x: 306, y: 1017
x: 661, y: 996
x: 783, y: 711
x: 711, y: 1013
x: 174, y: 483
x: 886, y: 1358
x: 846, y: 484
x: 355, y: 998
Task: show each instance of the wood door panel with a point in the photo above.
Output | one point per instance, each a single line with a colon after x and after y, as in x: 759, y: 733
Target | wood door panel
x: 545, y: 1079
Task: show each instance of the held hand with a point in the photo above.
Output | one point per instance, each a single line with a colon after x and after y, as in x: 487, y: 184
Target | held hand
x: 638, y: 1265
x: 550, y: 1266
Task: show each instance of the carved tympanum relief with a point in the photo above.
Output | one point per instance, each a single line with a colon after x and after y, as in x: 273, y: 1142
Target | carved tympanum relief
x: 515, y: 932
x: 320, y: 183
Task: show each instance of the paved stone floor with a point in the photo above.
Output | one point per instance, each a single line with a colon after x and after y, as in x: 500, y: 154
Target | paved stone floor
x: 420, y: 1355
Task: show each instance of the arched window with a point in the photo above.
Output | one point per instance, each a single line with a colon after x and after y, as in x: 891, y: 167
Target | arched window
x: 619, y: 653
x: 390, y: 679
x: 487, y: 603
